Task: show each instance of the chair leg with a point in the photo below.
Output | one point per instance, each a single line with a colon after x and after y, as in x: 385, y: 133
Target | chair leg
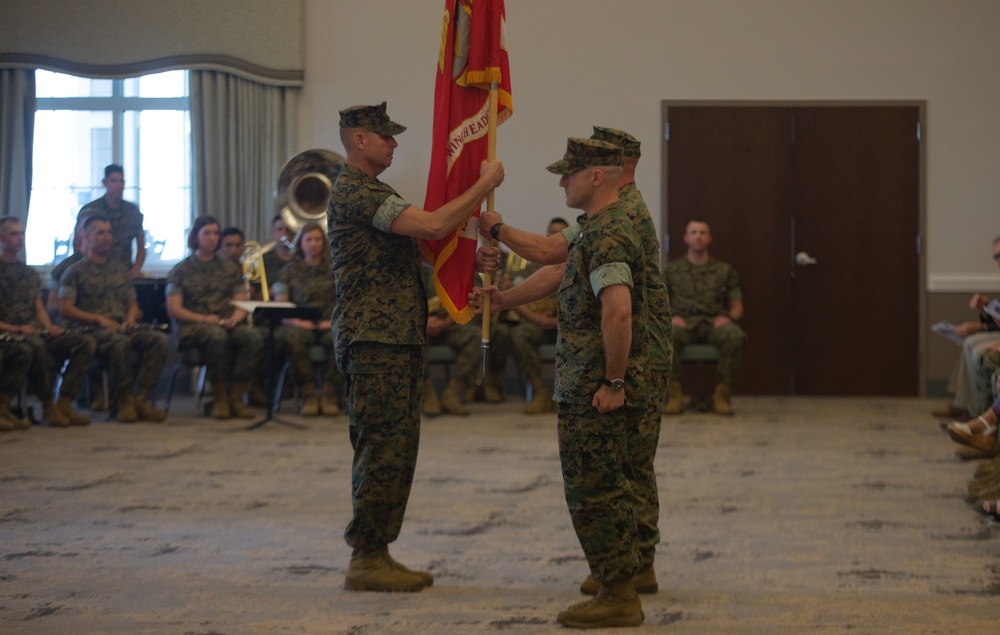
x: 202, y: 372
x: 279, y: 387
x: 106, y: 392
x: 170, y: 390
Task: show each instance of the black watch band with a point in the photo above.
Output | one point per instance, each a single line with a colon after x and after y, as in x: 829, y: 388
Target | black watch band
x: 614, y: 384
x: 495, y: 231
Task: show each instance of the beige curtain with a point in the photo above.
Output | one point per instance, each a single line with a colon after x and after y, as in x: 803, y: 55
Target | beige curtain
x: 243, y: 134
x: 17, y: 125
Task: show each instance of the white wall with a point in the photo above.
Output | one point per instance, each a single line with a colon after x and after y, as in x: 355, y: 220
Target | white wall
x: 575, y: 63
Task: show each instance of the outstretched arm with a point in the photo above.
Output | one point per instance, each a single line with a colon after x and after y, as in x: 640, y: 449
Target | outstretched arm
x: 544, y: 250
x: 417, y: 223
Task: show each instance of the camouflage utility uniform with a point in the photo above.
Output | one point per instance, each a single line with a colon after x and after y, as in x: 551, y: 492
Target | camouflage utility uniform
x: 700, y: 293
x: 643, y: 450
x: 107, y: 289
x: 126, y: 225
x: 308, y: 286
x: 208, y: 286
x: 20, y: 288
x: 464, y: 339
x: 15, y: 358
x: 379, y: 327
x: 527, y: 336
x: 273, y: 266
x: 594, y: 447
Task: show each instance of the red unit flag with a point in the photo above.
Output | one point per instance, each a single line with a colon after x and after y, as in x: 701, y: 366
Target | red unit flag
x: 473, y: 55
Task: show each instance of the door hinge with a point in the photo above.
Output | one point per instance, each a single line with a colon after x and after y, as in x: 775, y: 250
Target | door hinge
x: 666, y: 131
x: 918, y: 131
x: 920, y: 247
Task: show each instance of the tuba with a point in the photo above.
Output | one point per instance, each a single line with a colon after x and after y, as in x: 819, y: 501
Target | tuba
x: 304, y: 187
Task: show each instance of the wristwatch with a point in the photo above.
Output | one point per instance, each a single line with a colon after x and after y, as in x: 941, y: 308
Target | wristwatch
x: 614, y: 384
x: 495, y: 231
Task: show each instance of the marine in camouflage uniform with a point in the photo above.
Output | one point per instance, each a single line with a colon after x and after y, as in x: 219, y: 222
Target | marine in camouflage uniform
x: 310, y: 286
x: 643, y: 450
x: 464, y: 339
x: 208, y: 287
x: 379, y: 327
x: 526, y: 335
x: 594, y: 446
x: 598, y: 422
x: 379, y: 347
x: 21, y: 290
x: 699, y: 293
x: 15, y: 357
x: 126, y: 223
x: 105, y: 289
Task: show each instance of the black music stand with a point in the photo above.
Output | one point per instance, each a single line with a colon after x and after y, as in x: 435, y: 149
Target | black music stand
x: 273, y: 315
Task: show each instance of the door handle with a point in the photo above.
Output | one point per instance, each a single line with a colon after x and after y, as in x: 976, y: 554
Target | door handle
x: 803, y: 259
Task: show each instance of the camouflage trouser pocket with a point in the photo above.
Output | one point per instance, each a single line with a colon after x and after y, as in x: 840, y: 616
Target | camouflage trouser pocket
x: 383, y: 383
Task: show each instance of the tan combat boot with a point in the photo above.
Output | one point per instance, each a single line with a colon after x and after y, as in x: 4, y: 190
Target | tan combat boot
x: 675, y: 399
x: 373, y: 571
x: 146, y: 410
x: 310, y: 407
x: 328, y: 400
x: 126, y: 409
x: 451, y: 400
x: 491, y: 388
x: 236, y: 406
x: 98, y: 404
x: 53, y: 415
x: 614, y: 605
x: 65, y: 404
x: 431, y: 404
x: 426, y: 576
x: 720, y: 400
x: 8, y: 419
x: 220, y: 401
x: 256, y: 396
x: 541, y: 398
x: 643, y: 582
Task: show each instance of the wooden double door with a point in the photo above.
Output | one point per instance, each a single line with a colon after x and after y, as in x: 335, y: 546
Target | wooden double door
x: 818, y: 208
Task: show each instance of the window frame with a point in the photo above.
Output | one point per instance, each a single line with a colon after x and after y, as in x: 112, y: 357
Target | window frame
x: 118, y: 104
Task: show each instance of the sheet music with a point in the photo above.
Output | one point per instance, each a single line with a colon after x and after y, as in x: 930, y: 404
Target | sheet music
x: 948, y: 330
x: 252, y: 305
x: 993, y: 310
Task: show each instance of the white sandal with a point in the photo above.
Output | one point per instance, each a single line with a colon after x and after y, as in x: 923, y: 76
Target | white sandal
x: 964, y: 427
x: 986, y: 441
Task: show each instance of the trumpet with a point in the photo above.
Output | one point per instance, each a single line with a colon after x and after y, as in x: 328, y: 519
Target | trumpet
x: 252, y: 263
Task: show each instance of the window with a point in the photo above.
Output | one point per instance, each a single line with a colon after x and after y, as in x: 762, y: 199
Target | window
x: 83, y: 125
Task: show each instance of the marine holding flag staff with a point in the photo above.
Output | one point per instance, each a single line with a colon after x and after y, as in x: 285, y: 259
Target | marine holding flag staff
x: 379, y: 326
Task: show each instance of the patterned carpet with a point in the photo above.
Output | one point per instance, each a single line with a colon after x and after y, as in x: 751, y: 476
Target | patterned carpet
x: 795, y: 516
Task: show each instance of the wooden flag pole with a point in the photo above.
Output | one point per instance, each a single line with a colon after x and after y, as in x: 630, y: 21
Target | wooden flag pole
x: 491, y: 153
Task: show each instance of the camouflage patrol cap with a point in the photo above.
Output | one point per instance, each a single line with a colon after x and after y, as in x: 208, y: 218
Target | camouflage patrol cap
x: 629, y: 144
x: 372, y: 118
x: 582, y: 153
